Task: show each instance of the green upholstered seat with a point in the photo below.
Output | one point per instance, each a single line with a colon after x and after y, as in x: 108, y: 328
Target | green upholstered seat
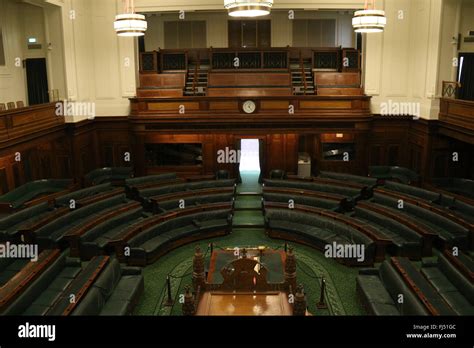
x: 64, y: 200
x: 413, y: 191
x: 349, y: 178
x: 311, y: 186
x: 302, y: 200
x: 108, y: 174
x: 115, y: 292
x: 36, y: 310
x: 27, y: 192
x: 404, y: 175
x: 374, y: 296
x: 150, y: 179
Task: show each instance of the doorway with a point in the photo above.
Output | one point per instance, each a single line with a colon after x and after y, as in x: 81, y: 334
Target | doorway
x: 249, y: 164
x: 37, y: 81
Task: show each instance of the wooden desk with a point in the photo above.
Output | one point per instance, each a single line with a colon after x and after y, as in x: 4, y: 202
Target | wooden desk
x: 244, y: 304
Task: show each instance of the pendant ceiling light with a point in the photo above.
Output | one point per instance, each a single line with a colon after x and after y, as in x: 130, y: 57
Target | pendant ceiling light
x: 369, y: 20
x: 248, y: 8
x: 130, y: 23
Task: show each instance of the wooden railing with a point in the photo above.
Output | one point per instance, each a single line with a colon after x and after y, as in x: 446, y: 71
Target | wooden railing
x: 458, y: 113
x: 20, y: 122
x: 303, y: 74
x: 450, y: 89
x: 322, y: 58
x: 196, y: 73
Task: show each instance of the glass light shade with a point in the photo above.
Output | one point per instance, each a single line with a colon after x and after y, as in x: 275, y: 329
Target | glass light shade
x: 130, y: 24
x: 248, y: 8
x: 369, y: 21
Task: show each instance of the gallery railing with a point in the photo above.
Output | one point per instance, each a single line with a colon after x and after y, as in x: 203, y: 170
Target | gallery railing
x: 321, y: 59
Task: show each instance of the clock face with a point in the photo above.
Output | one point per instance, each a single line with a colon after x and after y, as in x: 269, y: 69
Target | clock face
x: 249, y: 107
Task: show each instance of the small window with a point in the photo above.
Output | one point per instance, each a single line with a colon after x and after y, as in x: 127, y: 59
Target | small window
x: 2, y: 50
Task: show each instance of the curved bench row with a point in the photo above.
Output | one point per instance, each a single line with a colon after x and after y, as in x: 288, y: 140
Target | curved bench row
x: 437, y: 288
x: 321, y: 231
x: 150, y: 244
x: 34, y: 193
x: 101, y: 287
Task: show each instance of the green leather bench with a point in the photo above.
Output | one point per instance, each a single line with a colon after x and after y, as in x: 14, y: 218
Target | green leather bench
x: 403, y: 175
x: 150, y: 179
x: 316, y: 231
x: 94, y: 241
x: 43, y: 291
x: 413, y: 191
x: 455, y: 289
x: 406, y: 241
x: 84, y: 193
x: 18, y: 197
x: 309, y: 201
x: 373, y: 295
x: 149, y: 245
x: 9, y: 268
x: 116, y: 292
x: 420, y: 283
x: 10, y: 224
x: 365, y: 180
x: 345, y: 191
x: 51, y: 234
x: 108, y: 174
x: 464, y: 187
x: 195, y: 200
x: 461, y: 208
x: 151, y: 192
x: 379, y: 291
x: 395, y: 286
x: 448, y: 231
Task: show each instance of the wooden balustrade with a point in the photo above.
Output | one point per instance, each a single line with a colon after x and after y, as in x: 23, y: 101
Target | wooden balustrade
x: 277, y: 58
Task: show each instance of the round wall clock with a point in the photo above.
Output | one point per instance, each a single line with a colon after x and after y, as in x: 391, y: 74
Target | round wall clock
x: 249, y: 107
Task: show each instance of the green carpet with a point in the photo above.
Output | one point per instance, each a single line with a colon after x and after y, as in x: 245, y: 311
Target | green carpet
x: 248, y: 202
x: 340, y: 279
x: 249, y: 182
x: 248, y: 218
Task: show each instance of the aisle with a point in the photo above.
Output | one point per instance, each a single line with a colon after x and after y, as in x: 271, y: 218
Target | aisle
x: 248, y: 211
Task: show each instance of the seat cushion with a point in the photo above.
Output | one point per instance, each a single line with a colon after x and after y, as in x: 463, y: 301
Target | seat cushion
x: 36, y: 310
x: 48, y: 297
x: 69, y: 272
x: 60, y: 284
x: 128, y: 288
x: 115, y: 307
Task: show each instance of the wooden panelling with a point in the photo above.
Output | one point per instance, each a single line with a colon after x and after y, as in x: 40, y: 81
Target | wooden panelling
x: 248, y: 92
x: 459, y: 113
x: 337, y: 79
x: 337, y: 137
x: 224, y: 105
x: 249, y: 79
x: 274, y: 105
x: 325, y: 104
x: 173, y: 106
x: 340, y: 91
x: 159, y: 92
x: 163, y: 80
